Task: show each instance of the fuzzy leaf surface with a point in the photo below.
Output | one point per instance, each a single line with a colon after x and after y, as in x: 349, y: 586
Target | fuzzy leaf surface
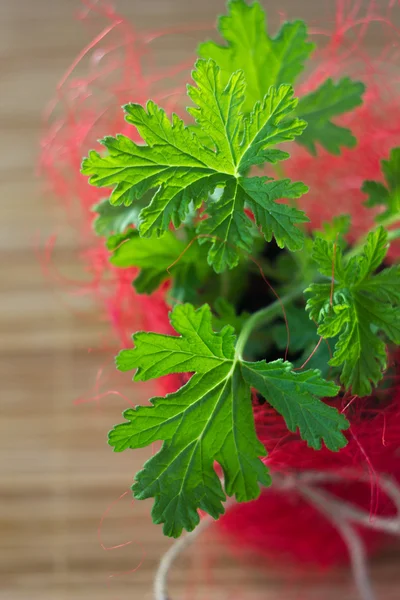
x: 360, y: 300
x: 155, y: 257
x: 303, y: 340
x: 210, y: 418
x: 335, y: 230
x: 265, y: 60
x: 386, y: 195
x: 111, y: 220
x: 226, y: 315
x: 330, y: 100
x: 296, y: 397
x: 184, y: 171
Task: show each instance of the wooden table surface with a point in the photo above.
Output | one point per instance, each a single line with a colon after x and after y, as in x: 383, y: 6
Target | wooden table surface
x: 59, y: 480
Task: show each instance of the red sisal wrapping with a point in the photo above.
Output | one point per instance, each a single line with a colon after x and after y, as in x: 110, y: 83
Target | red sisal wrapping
x: 282, y: 525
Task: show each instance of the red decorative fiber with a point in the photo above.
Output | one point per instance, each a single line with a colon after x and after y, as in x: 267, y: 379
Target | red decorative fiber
x: 282, y: 525
x: 365, y: 44
x: 120, y: 68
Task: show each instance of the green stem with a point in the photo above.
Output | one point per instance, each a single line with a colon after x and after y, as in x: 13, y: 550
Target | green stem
x: 264, y: 316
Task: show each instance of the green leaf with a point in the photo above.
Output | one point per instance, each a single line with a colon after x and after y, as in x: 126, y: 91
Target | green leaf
x: 385, y: 286
x: 266, y: 61
x: 296, y: 397
x: 303, y: 339
x: 188, y: 279
x: 114, y: 220
x: 159, y: 259
x: 317, y: 300
x: 329, y: 257
x: 276, y: 219
x: 227, y: 228
x: 387, y: 196
x: 319, y: 107
x: 391, y: 169
x: 210, y: 418
x: 373, y: 255
x: 335, y: 230
x: 185, y: 172
x: 226, y: 315
x: 358, y: 307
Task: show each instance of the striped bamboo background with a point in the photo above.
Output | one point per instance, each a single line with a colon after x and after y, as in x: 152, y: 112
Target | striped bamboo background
x: 57, y: 476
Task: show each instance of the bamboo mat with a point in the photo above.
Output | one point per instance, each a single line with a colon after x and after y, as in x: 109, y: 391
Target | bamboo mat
x: 59, y: 480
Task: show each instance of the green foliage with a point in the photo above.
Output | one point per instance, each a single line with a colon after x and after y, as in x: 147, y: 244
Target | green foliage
x: 226, y: 315
x: 265, y: 61
x: 357, y: 306
x: 158, y: 259
x: 303, y: 340
x: 114, y: 220
x: 210, y: 418
x: 201, y: 179
x: 295, y: 395
x: 184, y: 171
x: 268, y: 61
x: 319, y: 107
x: 387, y: 196
x: 335, y: 230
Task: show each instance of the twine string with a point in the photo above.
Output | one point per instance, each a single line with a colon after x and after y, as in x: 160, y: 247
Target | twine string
x: 342, y: 514
x: 161, y: 579
x: 354, y: 544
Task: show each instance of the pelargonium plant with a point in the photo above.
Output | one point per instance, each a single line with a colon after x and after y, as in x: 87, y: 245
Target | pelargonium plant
x: 265, y: 309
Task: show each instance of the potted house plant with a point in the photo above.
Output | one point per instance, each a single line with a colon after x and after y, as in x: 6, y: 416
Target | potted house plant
x: 272, y: 332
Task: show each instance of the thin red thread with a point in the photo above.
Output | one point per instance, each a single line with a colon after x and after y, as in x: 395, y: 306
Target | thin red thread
x: 311, y: 355
x: 333, y: 272
x: 83, y: 120
x: 85, y: 51
x: 118, y: 546
x: 384, y: 430
x: 79, y: 401
x: 349, y: 403
x: 176, y: 261
x: 374, y: 479
x: 325, y: 340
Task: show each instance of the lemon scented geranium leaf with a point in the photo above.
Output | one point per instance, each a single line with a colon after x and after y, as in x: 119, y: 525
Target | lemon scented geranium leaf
x: 210, y: 418
x: 357, y: 306
x: 386, y: 195
x: 267, y: 61
x: 184, y: 172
